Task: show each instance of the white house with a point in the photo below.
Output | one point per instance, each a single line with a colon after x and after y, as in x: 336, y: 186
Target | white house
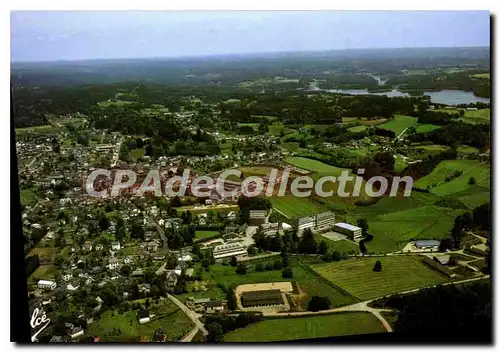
x: 144, y: 316
x: 115, y: 246
x: 127, y: 260
x: 75, y: 332
x: 67, y: 277
x: 113, y: 263
x: 46, y: 284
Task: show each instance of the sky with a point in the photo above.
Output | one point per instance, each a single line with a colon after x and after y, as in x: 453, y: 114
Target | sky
x: 79, y: 35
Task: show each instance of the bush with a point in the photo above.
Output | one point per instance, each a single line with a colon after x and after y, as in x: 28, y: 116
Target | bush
x: 287, y: 272
x: 378, y: 266
x: 318, y: 303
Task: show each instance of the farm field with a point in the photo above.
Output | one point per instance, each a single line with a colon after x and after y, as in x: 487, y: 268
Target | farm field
x: 255, y: 170
x: 314, y: 165
x: 43, y: 129
x: 307, y: 327
x: 113, y: 326
x: 399, y: 123
x: 363, y: 121
x: 43, y: 272
x: 309, y: 282
x: 294, y: 207
x: 481, y: 75
x: 399, y: 273
x: 223, y: 208
x: 469, y: 168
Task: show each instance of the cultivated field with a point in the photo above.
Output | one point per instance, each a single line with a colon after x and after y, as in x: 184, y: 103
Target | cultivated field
x: 307, y: 327
x: 399, y: 273
x: 427, y: 127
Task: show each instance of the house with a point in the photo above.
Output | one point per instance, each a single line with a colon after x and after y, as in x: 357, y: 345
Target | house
x: 171, y: 279
x: 427, y: 244
x: 98, y: 247
x: 71, y: 287
x: 189, y: 272
x: 66, y: 276
x: 75, y: 332
x: 115, y: 246
x: 144, y: 316
x: 47, y: 284
x: 204, y: 305
x: 185, y: 258
x: 146, y: 288
x: 127, y: 260
x: 261, y: 298
x: 353, y: 232
x: 442, y: 259
x: 152, y: 246
x: 87, y: 246
x: 113, y: 263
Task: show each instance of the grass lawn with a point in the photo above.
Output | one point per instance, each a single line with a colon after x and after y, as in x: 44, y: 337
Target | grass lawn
x: 399, y: 123
x: 427, y: 127
x: 255, y: 170
x: 467, y: 149
x: 478, y: 116
x: 399, y: 164
x: 43, y: 129
x: 307, y: 327
x: 341, y: 246
x: 135, y: 154
x: 112, y: 326
x: 314, y: 165
x: 399, y: 273
x: 44, y: 272
x: 44, y: 253
x: 482, y: 75
x: 207, y: 208
x: 28, y: 197
x: 356, y: 129
x: 202, y: 234
x: 470, y: 168
x: 294, y: 207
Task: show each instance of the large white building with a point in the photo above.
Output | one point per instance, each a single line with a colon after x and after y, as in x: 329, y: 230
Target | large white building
x: 229, y: 250
x: 352, y: 231
x: 325, y: 220
x: 46, y: 284
x: 305, y: 223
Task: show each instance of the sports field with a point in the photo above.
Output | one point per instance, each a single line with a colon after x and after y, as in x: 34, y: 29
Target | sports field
x: 358, y: 128
x: 294, y: 207
x: 399, y: 273
x: 478, y: 116
x: 399, y: 123
x: 307, y: 327
x: 315, y: 165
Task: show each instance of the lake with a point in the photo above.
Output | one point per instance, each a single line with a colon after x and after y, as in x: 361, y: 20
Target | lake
x: 448, y: 97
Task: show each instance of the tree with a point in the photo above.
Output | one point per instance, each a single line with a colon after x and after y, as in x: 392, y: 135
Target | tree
x: 378, y: 266
x: 252, y: 250
x: 231, y: 299
x: 241, y: 269
x: 363, y: 224
x: 103, y: 221
x: 308, y: 244
x: 278, y: 265
x: 445, y: 244
x: 215, y: 332
x: 234, y: 261
x: 472, y: 181
x: 318, y: 303
x: 259, y: 267
x: 176, y: 202
x: 287, y: 273
x: 126, y: 270
x: 323, y: 247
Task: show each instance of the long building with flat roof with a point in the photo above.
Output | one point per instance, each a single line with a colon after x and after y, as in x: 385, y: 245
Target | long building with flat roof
x: 352, y: 231
x: 261, y: 298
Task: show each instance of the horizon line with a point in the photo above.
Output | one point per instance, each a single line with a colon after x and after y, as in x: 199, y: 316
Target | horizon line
x: 201, y: 56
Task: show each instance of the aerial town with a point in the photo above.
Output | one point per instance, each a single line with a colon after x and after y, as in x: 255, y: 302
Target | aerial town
x: 139, y: 263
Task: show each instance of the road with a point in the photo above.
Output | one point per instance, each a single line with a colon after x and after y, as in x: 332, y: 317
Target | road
x: 401, y: 134
x: 195, y: 318
x: 363, y: 306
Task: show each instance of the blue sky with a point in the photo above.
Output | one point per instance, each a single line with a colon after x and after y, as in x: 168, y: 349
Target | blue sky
x: 77, y: 35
